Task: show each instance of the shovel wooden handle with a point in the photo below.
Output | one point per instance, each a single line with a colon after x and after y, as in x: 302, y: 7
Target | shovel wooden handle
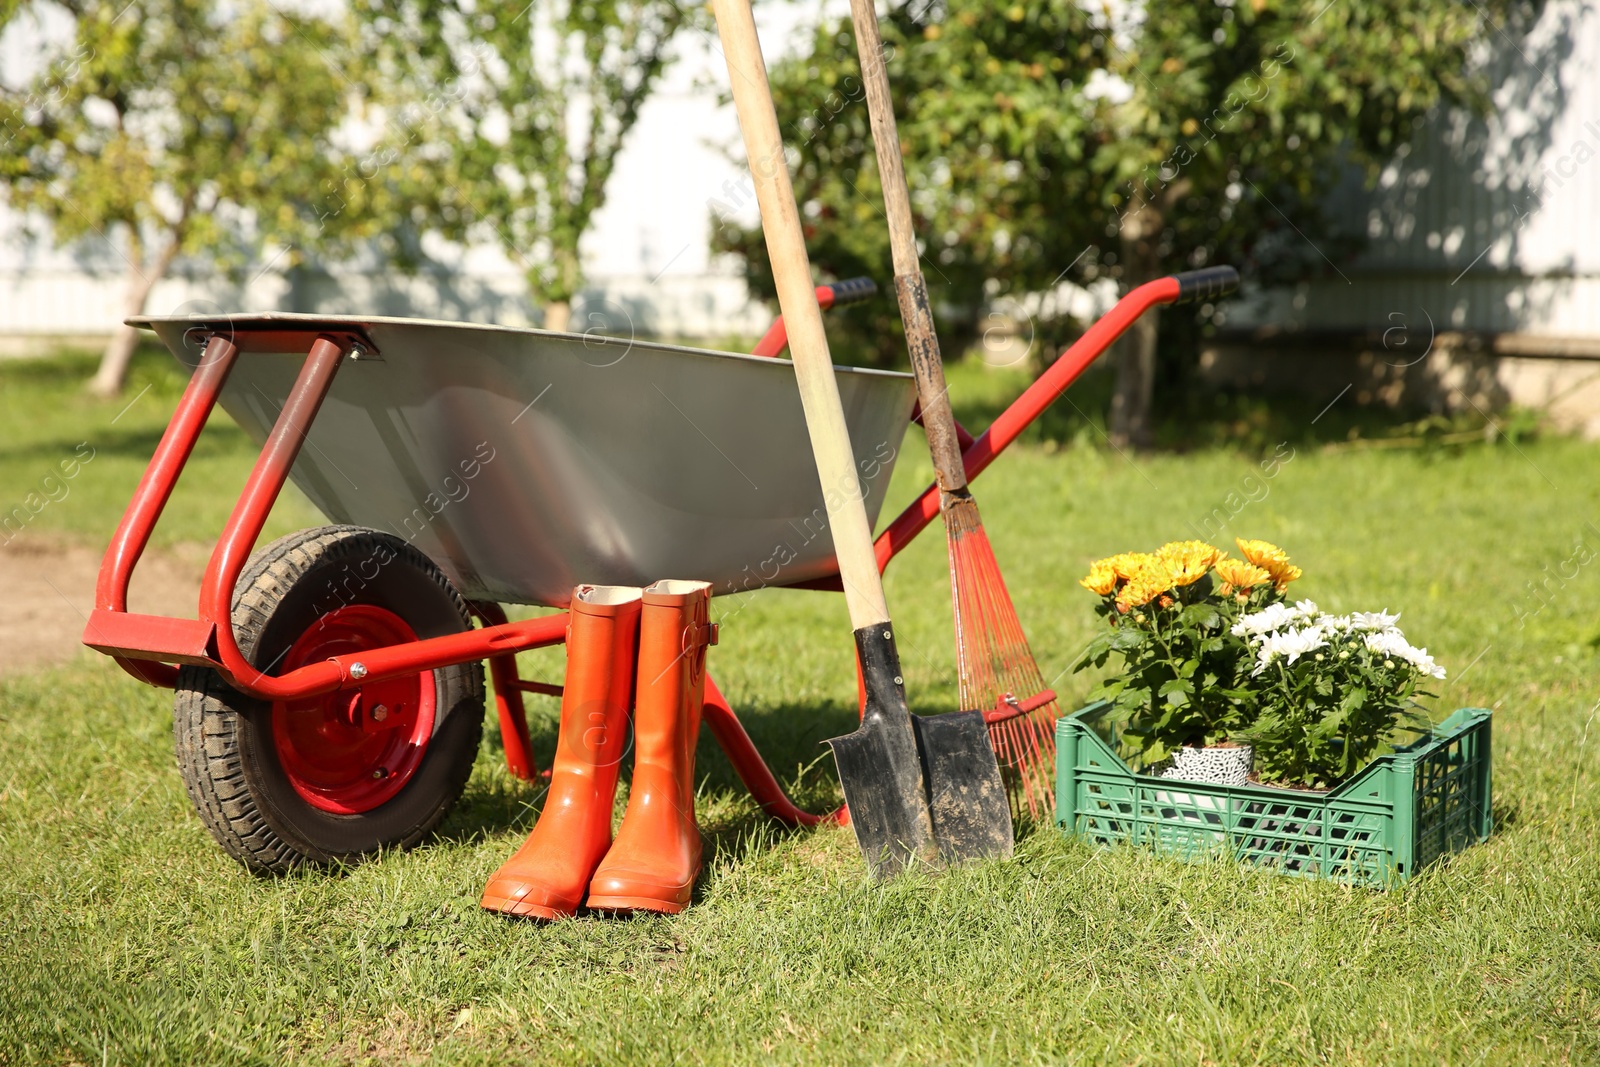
x: 916, y: 314
x: 797, y: 298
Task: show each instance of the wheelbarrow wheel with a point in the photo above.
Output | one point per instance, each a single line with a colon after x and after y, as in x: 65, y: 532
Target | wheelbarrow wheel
x: 331, y: 779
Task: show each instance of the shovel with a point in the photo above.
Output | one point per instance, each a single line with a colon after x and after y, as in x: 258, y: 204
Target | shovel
x: 921, y: 789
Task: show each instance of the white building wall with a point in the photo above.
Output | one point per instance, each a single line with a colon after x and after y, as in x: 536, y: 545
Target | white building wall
x: 1486, y: 224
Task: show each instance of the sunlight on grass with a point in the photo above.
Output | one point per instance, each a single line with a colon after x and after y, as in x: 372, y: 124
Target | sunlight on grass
x: 131, y: 938
x: 47, y: 418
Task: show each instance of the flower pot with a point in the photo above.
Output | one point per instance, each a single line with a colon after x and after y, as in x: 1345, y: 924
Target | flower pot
x: 1214, y: 764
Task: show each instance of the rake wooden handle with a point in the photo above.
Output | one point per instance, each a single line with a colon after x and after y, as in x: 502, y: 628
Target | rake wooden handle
x: 912, y: 290
x: 797, y: 299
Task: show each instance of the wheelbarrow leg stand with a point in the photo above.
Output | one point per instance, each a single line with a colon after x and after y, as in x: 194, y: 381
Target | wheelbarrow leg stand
x: 513, y: 716
x: 149, y: 500
x: 508, y: 689
x: 724, y: 724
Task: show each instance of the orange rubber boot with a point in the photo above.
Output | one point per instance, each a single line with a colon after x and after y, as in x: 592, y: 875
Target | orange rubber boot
x: 549, y: 875
x: 656, y: 857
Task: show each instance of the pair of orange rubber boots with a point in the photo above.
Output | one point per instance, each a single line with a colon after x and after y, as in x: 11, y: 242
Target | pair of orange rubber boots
x: 626, y: 647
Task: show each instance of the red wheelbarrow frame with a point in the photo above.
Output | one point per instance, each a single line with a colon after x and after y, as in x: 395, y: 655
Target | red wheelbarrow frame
x: 147, y: 646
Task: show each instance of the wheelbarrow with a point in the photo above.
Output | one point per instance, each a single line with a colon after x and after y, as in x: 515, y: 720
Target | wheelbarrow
x: 329, y: 694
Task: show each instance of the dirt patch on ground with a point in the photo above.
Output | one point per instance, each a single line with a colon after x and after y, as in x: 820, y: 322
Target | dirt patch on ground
x: 47, y: 592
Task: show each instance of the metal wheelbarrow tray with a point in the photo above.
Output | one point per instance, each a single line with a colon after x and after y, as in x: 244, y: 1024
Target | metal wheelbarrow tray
x: 511, y: 465
x: 525, y: 462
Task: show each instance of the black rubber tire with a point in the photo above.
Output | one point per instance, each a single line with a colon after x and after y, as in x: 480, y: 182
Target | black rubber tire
x: 224, y: 739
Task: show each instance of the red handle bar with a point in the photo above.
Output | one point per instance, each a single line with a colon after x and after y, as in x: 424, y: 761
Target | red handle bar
x: 1005, y: 429
x: 837, y: 294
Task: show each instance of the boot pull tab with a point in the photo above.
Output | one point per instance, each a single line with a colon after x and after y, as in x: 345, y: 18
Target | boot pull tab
x: 700, y: 635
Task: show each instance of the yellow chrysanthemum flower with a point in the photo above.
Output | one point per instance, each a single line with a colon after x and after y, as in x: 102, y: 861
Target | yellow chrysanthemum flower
x: 1101, y: 579
x: 1148, y: 582
x: 1191, y: 549
x: 1135, y: 595
x: 1237, y: 574
x: 1272, y: 559
x: 1263, y: 554
x: 1124, y: 564
x: 1188, y: 561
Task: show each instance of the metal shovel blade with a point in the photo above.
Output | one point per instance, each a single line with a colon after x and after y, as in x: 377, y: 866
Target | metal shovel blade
x: 966, y: 796
x: 881, y: 772
x: 919, y: 789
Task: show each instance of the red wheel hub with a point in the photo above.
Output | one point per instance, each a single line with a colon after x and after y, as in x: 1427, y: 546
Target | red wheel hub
x: 349, y: 751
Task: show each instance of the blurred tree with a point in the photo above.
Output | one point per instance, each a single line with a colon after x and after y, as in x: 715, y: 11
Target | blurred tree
x: 531, y: 107
x: 1044, y: 142
x: 996, y: 131
x: 176, y: 128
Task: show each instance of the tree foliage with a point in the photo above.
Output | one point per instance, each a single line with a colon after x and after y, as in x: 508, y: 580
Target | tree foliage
x: 1046, y: 142
x: 996, y: 132
x: 537, y: 101
x: 190, y: 128
x: 171, y: 128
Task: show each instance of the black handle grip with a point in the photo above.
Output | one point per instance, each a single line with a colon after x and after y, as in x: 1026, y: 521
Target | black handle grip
x: 1205, y: 284
x: 853, y: 290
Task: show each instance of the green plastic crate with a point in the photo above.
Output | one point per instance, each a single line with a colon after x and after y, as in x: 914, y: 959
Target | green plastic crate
x: 1406, y: 809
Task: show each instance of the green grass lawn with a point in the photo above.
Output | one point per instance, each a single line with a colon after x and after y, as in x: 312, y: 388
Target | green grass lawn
x: 131, y: 938
x: 47, y: 418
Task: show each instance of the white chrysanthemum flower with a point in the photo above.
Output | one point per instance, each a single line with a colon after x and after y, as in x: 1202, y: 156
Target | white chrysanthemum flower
x: 1263, y: 661
x: 1392, y: 643
x: 1297, y: 643
x: 1291, y: 645
x: 1388, y: 642
x: 1270, y: 618
x: 1373, y: 620
x: 1307, y: 608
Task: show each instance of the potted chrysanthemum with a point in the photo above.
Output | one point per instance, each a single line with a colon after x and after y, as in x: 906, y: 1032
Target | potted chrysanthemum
x: 1221, y: 673
x: 1218, y: 666
x: 1179, y: 698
